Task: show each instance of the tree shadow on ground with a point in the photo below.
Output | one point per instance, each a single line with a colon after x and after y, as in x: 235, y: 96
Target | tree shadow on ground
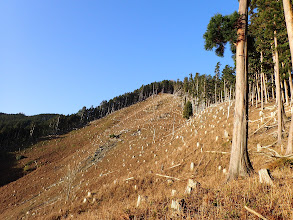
x: 8, y: 172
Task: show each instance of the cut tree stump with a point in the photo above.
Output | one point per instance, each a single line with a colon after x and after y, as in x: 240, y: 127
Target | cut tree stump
x: 264, y: 177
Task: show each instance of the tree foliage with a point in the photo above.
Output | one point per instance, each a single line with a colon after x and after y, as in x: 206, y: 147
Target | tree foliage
x: 19, y: 131
x: 221, y: 30
x: 187, y: 112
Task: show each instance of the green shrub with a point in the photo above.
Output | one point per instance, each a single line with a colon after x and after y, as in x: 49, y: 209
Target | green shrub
x: 26, y: 168
x: 187, y: 112
x: 114, y: 136
x: 19, y: 157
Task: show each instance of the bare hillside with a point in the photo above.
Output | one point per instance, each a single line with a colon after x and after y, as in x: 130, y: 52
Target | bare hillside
x: 137, y: 162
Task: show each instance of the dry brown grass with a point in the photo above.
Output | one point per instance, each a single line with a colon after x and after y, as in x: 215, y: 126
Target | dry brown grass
x: 128, y: 165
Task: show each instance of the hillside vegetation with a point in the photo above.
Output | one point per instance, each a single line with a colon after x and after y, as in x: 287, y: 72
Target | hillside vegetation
x: 136, y: 163
x: 18, y: 131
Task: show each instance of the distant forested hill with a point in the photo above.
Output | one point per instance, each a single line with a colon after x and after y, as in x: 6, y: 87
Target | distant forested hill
x: 18, y: 131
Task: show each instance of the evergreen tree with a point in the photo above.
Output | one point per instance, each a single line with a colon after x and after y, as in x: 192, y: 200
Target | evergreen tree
x: 221, y: 30
x: 240, y: 164
x: 289, y: 24
x: 187, y: 112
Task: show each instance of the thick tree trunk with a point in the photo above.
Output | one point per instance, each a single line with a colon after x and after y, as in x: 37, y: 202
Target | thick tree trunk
x: 239, y: 161
x: 278, y: 88
x: 289, y: 23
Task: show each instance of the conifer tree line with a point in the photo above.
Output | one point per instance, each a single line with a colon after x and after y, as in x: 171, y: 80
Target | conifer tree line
x: 18, y: 130
x: 204, y: 90
x: 258, y: 36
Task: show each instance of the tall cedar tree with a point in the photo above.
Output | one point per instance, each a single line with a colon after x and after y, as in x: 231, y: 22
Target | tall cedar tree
x: 220, y: 30
x: 289, y: 24
x: 240, y: 164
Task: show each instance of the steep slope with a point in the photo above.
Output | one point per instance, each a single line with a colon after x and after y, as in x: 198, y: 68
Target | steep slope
x: 130, y: 163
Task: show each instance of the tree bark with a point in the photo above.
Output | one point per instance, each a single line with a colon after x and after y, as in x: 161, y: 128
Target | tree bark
x: 261, y: 91
x: 267, y: 90
x: 215, y: 92
x: 282, y: 91
x: 278, y: 88
x: 286, y: 92
x: 291, y: 86
x: 240, y: 164
x: 225, y: 94
x: 289, y: 24
x: 262, y: 81
x: 256, y: 91
x: 273, y: 92
x: 252, y: 95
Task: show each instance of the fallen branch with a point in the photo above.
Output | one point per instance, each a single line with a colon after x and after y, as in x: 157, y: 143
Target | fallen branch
x: 170, y: 177
x: 261, y: 127
x: 271, y: 107
x: 177, y: 165
x: 276, y: 153
x: 273, y: 133
x: 254, y: 212
x: 271, y: 126
x: 130, y: 178
x: 273, y: 155
x: 219, y: 152
x: 252, y: 121
x: 286, y: 156
x: 264, y: 147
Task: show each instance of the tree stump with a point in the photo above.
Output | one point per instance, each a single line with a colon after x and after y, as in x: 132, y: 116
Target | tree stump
x: 265, y: 177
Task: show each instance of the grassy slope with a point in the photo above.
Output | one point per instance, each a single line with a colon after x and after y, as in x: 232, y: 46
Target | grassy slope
x: 117, y: 170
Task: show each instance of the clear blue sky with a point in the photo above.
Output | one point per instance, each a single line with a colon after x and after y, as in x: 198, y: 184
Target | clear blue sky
x: 57, y: 56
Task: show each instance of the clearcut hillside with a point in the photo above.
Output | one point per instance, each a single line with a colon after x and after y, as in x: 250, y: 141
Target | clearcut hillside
x: 136, y: 163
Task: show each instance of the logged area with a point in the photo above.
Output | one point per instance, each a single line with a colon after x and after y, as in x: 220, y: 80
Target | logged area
x: 147, y: 162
